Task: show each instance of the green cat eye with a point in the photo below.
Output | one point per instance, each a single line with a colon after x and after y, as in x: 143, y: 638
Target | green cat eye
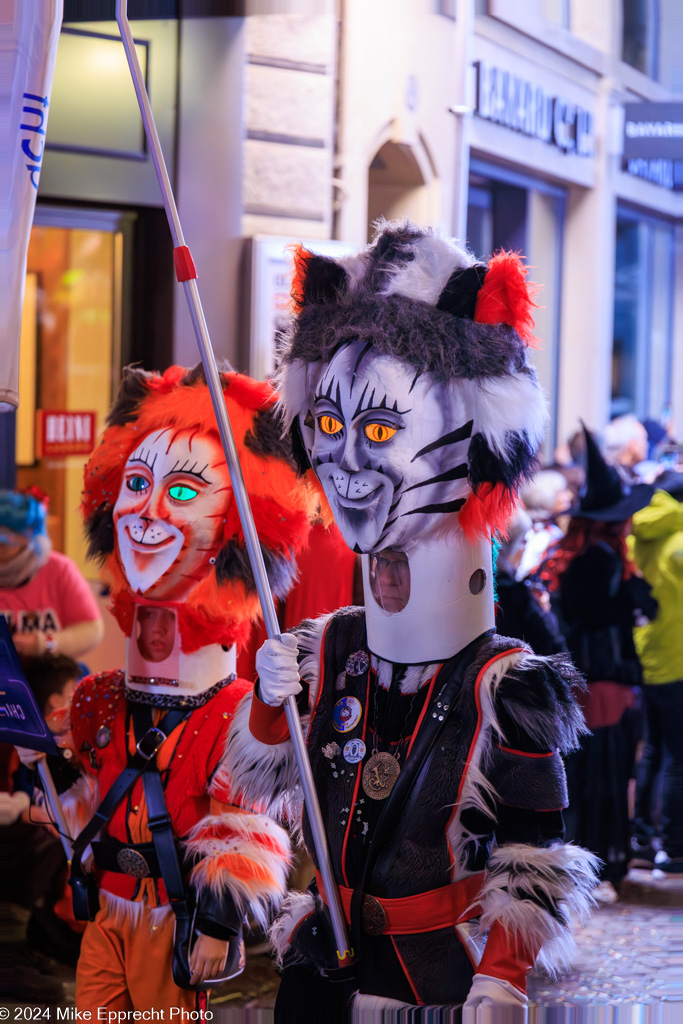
x: 181, y: 492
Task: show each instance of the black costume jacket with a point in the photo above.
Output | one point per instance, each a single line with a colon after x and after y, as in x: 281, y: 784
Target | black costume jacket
x: 488, y: 804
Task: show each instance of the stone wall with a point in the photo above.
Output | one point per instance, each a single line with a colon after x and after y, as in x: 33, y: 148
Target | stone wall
x: 290, y: 70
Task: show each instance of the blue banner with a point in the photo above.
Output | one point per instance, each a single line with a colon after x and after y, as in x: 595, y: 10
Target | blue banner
x: 21, y: 722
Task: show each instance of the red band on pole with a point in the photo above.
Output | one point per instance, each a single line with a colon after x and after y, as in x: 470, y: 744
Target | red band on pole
x: 185, y: 269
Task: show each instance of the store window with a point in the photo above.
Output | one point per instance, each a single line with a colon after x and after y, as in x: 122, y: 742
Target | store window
x: 507, y: 210
x: 640, y: 43
x: 556, y: 11
x: 643, y: 316
x: 70, y: 359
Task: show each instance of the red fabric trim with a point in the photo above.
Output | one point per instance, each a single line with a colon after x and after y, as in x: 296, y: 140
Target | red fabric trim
x: 297, y: 925
x: 424, y: 710
x: 470, y: 753
x: 266, y: 723
x: 503, y: 958
x: 356, y: 787
x: 405, y: 970
x: 425, y: 911
x: 524, y: 753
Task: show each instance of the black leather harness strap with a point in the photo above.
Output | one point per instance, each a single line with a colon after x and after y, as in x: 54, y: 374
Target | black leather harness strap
x: 391, y: 824
x: 148, y: 742
x: 159, y: 820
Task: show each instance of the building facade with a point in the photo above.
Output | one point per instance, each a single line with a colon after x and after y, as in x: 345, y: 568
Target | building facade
x: 501, y: 123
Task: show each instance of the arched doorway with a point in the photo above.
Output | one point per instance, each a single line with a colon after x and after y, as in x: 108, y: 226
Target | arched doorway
x: 397, y: 186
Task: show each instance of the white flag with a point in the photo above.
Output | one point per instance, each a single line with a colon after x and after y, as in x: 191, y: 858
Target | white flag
x: 29, y: 33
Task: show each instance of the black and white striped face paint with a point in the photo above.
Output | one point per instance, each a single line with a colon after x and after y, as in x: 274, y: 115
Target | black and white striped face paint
x: 389, y: 447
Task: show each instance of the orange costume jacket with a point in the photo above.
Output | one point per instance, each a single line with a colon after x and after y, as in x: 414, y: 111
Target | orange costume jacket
x: 235, y: 861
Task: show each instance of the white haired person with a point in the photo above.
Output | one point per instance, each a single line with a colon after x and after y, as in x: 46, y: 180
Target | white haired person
x: 545, y: 497
x: 434, y: 743
x: 625, y: 445
x: 522, y: 604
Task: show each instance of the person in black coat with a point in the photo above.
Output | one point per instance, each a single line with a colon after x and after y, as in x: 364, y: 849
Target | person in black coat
x: 598, y: 597
x: 522, y: 605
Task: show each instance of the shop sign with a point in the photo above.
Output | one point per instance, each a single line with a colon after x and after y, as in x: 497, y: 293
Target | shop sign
x: 64, y: 432
x: 653, y: 131
x: 527, y: 108
x: 659, y: 172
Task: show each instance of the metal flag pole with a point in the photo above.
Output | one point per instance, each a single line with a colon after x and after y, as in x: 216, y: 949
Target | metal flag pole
x: 186, y: 273
x: 52, y: 801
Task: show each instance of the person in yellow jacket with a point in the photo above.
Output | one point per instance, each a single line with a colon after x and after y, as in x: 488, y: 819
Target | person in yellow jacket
x: 658, y: 552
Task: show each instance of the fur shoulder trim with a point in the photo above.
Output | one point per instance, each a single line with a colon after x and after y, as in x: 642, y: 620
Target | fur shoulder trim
x: 265, y: 776
x: 540, y: 894
x: 538, y: 695
x: 310, y: 636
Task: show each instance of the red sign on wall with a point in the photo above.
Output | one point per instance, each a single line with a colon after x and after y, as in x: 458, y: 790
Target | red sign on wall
x: 63, y: 432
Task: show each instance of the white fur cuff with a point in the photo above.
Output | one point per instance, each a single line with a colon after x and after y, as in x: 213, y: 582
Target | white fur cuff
x: 540, y: 894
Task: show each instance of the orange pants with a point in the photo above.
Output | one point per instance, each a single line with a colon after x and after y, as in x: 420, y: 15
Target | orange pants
x: 126, y: 958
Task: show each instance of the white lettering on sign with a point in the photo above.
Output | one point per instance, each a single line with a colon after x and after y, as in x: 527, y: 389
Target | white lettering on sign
x: 659, y: 172
x: 12, y: 711
x: 71, y: 429
x: 524, y: 107
x: 654, y: 129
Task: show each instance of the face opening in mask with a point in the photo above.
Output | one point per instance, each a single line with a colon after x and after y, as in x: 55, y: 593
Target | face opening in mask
x: 156, y: 633
x: 390, y: 580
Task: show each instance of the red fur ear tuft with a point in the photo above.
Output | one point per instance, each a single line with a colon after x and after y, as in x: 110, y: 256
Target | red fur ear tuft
x: 506, y: 298
x: 167, y: 381
x: 488, y: 511
x: 252, y: 394
x: 300, y: 261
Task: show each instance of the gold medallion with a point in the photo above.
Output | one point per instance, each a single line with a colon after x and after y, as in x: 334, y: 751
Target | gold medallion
x: 379, y: 775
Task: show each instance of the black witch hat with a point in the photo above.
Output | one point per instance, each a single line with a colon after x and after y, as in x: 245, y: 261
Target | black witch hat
x: 605, y: 495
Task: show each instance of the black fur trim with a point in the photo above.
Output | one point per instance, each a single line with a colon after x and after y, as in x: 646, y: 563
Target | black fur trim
x: 459, y: 297
x: 265, y: 438
x: 537, y: 700
x: 324, y: 282
x: 197, y: 376
x: 299, y: 448
x: 132, y: 390
x: 233, y: 564
x: 421, y: 335
x: 99, y: 531
x: 520, y: 461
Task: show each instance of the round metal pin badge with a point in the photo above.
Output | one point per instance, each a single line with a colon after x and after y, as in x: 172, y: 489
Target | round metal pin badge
x: 103, y: 736
x: 358, y: 663
x: 354, y: 751
x: 346, y: 714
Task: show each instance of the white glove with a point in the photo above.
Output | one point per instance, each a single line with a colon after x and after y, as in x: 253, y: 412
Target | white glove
x: 494, y: 1001
x: 28, y: 757
x: 278, y: 670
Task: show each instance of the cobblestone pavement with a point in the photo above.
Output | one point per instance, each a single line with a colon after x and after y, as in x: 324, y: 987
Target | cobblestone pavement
x: 629, y: 966
x: 628, y: 969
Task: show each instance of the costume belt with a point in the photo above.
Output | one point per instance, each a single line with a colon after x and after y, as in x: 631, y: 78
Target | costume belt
x: 412, y: 915
x: 137, y: 860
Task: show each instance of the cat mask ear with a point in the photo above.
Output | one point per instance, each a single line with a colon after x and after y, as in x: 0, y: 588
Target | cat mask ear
x: 316, y: 280
x: 506, y: 297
